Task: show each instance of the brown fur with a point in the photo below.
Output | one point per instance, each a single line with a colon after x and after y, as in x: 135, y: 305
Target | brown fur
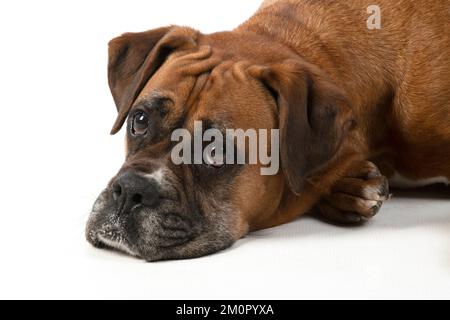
x: 341, y: 94
x: 397, y: 78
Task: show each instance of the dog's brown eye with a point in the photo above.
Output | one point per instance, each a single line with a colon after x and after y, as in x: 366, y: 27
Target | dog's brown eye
x: 140, y: 124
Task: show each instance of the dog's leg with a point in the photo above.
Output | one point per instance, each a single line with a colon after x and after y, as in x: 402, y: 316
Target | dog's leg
x: 357, y: 197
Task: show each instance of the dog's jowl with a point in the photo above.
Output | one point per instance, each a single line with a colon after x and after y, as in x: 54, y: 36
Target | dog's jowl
x: 350, y: 105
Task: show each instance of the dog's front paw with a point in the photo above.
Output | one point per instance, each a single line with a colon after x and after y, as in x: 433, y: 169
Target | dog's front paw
x: 357, y: 197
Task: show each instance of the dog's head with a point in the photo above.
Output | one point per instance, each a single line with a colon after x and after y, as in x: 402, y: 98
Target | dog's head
x: 169, y: 78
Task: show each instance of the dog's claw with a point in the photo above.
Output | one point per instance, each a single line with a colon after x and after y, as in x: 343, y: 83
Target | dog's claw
x: 353, y: 217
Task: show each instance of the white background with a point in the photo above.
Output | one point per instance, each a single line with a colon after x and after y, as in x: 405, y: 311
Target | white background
x: 56, y: 155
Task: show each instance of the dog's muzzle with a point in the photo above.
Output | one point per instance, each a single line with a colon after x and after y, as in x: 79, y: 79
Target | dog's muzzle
x: 135, y: 216
x: 145, y: 216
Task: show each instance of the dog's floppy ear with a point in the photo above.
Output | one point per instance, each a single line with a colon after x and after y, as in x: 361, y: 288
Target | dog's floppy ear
x: 135, y: 57
x: 313, y: 117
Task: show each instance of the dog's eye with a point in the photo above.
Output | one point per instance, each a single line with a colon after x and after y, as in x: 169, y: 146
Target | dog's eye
x: 214, y: 159
x: 140, y: 124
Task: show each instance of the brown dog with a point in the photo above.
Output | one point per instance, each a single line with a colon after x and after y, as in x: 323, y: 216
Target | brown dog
x: 343, y: 96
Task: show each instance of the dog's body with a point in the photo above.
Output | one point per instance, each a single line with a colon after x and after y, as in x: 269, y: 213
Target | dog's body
x: 397, y: 78
x: 343, y: 96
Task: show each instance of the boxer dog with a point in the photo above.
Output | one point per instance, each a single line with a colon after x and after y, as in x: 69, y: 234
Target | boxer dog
x: 355, y: 107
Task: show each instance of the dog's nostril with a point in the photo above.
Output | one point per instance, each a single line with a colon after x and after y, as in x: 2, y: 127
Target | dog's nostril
x: 137, y: 198
x: 117, y: 192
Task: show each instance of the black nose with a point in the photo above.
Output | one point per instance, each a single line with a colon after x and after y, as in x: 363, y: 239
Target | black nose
x: 130, y: 190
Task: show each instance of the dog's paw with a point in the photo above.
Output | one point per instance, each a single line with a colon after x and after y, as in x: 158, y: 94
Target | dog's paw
x: 357, y: 197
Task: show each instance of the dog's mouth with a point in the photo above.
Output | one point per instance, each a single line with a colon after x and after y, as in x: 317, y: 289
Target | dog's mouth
x: 103, y: 242
x: 143, y: 233
x: 147, y: 246
x: 155, y: 235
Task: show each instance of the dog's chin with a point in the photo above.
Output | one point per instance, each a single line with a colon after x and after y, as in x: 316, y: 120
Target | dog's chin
x: 152, y: 236
x: 186, y: 249
x: 115, y: 238
x: 105, y: 242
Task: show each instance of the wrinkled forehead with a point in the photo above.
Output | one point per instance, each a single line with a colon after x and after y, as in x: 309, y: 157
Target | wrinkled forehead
x: 234, y: 99
x: 225, y: 96
x: 168, y: 92
x: 170, y: 82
